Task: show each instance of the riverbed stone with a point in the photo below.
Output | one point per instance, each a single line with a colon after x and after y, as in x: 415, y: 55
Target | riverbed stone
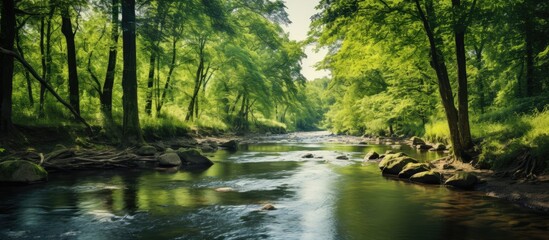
x: 462, y: 180
x: 231, y: 145
x: 268, y: 207
x: 412, y: 168
x: 423, y: 147
x: 383, y: 163
x: 21, y: 171
x: 191, y: 158
x: 169, y: 159
x: 342, y: 157
x: 146, y: 150
x: 438, y: 147
x: 308, y: 155
x: 371, y: 155
x: 394, y: 166
x: 417, y: 141
x: 428, y: 177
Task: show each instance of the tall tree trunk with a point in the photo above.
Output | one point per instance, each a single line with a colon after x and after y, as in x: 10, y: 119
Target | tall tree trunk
x: 480, y: 80
x: 131, y: 130
x: 445, y: 89
x: 106, y: 95
x: 27, y: 76
x: 7, y: 38
x: 47, y: 61
x: 66, y: 28
x: 168, y: 78
x: 150, y: 84
x: 463, y: 92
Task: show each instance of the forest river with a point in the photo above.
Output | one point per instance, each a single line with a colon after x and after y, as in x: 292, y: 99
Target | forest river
x: 315, y: 198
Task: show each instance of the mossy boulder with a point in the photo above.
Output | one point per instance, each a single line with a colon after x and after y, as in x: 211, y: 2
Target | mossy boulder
x: 394, y: 166
x: 428, y: 177
x: 146, y: 150
x: 412, y: 168
x: 438, y: 147
x: 462, y: 180
x: 383, y: 163
x: 169, y: 159
x: 191, y: 158
x: 371, y: 155
x: 20, y: 171
x: 423, y: 147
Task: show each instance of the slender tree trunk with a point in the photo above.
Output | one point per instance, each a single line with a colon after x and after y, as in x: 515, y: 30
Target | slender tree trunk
x: 66, y: 28
x: 463, y: 92
x: 46, y: 74
x: 106, y: 95
x: 7, y: 38
x: 480, y: 80
x: 445, y: 89
x: 168, y: 78
x: 27, y: 76
x: 150, y: 84
x: 131, y: 130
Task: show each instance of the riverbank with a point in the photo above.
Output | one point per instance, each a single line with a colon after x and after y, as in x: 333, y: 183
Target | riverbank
x: 532, y: 194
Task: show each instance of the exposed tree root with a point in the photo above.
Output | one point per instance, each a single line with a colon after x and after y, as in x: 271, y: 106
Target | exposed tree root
x: 71, y: 159
x: 526, y: 167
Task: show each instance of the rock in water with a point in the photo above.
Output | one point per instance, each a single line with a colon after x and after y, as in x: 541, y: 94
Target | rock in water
x: 20, y: 171
x: 146, y: 150
x: 438, y: 147
x: 169, y: 159
x: 394, y: 166
x: 224, y: 189
x: 191, y: 158
x: 371, y: 155
x: 342, y: 157
x: 429, y: 177
x: 417, y: 141
x: 268, y: 207
x: 231, y: 145
x: 308, y: 155
x: 462, y: 180
x: 412, y: 168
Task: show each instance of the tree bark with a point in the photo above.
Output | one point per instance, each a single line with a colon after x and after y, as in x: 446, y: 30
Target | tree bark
x: 463, y: 92
x: 150, y: 84
x: 168, y: 78
x: 66, y: 28
x: 131, y: 130
x: 7, y: 38
x: 445, y: 89
x: 106, y: 95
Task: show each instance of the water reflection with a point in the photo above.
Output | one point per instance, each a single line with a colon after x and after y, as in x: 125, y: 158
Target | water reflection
x: 319, y: 198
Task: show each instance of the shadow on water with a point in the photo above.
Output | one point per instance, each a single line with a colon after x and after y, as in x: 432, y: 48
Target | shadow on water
x: 318, y: 198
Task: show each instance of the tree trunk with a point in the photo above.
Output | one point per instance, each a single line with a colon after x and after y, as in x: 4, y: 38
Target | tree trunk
x: 66, y: 28
x: 27, y: 77
x: 480, y: 80
x: 168, y: 78
x: 106, y: 95
x: 445, y: 89
x: 131, y: 130
x: 150, y: 84
x: 530, y: 78
x: 47, y: 61
x: 463, y: 92
x: 7, y: 38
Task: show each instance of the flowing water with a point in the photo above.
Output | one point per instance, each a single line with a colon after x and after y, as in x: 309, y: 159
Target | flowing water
x: 318, y: 198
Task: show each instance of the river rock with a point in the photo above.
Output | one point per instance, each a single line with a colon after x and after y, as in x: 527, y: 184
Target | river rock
x: 146, y: 150
x: 231, y: 145
x: 423, y: 147
x: 394, y: 166
x: 438, y: 147
x: 371, y: 155
x: 205, y: 147
x: 191, y: 158
x: 462, y: 180
x: 20, y: 171
x: 417, y: 141
x: 342, y: 157
x: 169, y: 159
x: 428, y: 177
x: 383, y: 163
x: 308, y: 155
x: 413, y: 168
x: 268, y: 207
x: 224, y: 189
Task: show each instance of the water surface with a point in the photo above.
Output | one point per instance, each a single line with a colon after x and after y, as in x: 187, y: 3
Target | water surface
x: 318, y: 198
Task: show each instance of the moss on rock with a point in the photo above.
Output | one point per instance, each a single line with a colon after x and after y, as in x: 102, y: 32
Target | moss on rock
x: 20, y: 171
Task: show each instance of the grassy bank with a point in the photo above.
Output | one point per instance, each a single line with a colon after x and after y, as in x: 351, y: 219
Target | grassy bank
x: 505, y: 138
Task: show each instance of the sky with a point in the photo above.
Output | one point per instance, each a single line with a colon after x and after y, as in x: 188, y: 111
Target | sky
x: 300, y: 12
